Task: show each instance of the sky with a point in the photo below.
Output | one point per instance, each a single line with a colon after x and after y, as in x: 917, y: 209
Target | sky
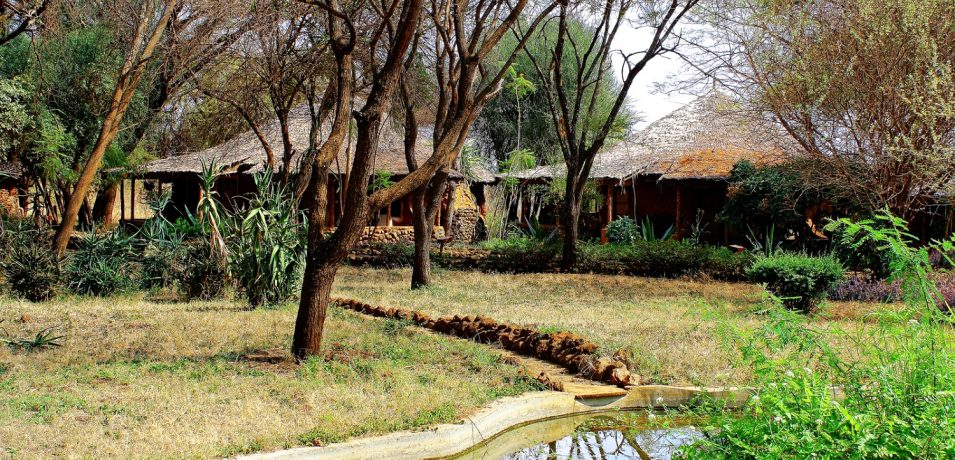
x: 644, y: 98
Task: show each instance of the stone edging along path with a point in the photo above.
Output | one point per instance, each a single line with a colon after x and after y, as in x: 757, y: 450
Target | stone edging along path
x: 571, y: 351
x: 450, y: 439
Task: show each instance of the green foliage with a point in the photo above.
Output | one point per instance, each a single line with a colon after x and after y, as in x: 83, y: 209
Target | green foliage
x: 859, y: 252
x: 15, y: 118
x: 496, y: 130
x: 31, y: 269
x: 395, y: 255
x: 662, y: 259
x: 46, y: 338
x: 762, y: 196
x: 102, y: 264
x: 200, y: 273
x: 267, y: 244
x: 800, y: 281
x: 380, y: 181
x: 622, y: 230
x: 521, y: 254
x: 647, y: 233
x: 895, y: 402
x: 907, y: 263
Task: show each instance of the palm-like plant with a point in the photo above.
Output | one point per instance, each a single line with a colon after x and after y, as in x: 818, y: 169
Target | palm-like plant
x: 210, y: 209
x: 267, y: 244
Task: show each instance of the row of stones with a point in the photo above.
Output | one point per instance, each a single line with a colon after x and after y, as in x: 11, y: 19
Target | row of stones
x: 569, y: 350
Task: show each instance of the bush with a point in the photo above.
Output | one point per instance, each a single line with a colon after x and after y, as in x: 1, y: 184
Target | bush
x: 662, y: 259
x: 395, y: 255
x: 31, y: 269
x: 158, y: 264
x: 521, y: 254
x: 101, y: 264
x: 862, y: 289
x: 895, y: 402
x: 800, y: 281
x: 199, y: 271
x: 623, y: 230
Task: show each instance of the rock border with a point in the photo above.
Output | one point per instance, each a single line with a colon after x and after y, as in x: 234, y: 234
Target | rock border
x: 569, y: 350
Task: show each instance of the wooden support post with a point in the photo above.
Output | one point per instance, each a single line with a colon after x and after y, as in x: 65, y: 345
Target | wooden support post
x: 122, y: 200
x: 132, y: 199
x: 678, y: 226
x: 388, y: 221
x: 609, y: 202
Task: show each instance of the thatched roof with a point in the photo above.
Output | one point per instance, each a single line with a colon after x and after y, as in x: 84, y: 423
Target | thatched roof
x: 701, y: 140
x: 10, y: 171
x: 245, y: 154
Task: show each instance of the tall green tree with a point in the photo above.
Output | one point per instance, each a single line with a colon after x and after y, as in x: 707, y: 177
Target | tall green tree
x: 520, y: 119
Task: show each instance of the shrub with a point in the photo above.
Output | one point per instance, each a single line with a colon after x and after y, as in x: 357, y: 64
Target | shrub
x: 895, y: 402
x: 199, y: 271
x: 623, y: 230
x: 662, y: 258
x: 521, y: 254
x: 101, y: 264
x: 863, y: 289
x: 158, y: 263
x: 31, y: 269
x: 395, y: 255
x: 799, y: 280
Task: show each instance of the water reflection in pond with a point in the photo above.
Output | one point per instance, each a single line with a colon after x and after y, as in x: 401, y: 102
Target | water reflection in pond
x: 613, y: 436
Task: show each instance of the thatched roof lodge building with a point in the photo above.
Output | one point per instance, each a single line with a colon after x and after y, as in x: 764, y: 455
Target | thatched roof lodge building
x: 244, y: 156
x: 11, y: 199
x: 675, y: 169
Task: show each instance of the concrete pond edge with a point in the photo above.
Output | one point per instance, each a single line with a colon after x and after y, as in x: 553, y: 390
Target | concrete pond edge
x: 502, y: 415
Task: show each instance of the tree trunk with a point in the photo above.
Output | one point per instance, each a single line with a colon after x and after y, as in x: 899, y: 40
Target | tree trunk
x: 570, y: 218
x: 423, y: 230
x: 313, y: 307
x: 103, y: 206
x: 129, y: 76
x: 427, y: 199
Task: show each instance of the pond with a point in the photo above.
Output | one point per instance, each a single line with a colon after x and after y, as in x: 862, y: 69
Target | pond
x: 615, y: 435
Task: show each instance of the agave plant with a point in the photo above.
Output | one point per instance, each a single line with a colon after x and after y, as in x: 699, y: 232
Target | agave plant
x: 267, y: 244
x: 647, y: 233
x: 210, y: 209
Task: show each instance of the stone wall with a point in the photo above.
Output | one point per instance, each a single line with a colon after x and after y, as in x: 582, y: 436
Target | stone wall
x: 403, y: 234
x: 468, y: 226
x: 8, y: 200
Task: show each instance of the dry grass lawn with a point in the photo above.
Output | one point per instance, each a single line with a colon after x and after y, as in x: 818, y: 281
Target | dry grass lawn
x: 675, y: 330
x: 142, y: 379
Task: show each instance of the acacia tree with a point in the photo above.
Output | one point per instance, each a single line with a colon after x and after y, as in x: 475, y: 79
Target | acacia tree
x: 574, y: 97
x: 151, y: 19
x: 199, y: 34
x: 267, y: 74
x: 472, y: 82
x: 865, y: 87
x: 463, y: 49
